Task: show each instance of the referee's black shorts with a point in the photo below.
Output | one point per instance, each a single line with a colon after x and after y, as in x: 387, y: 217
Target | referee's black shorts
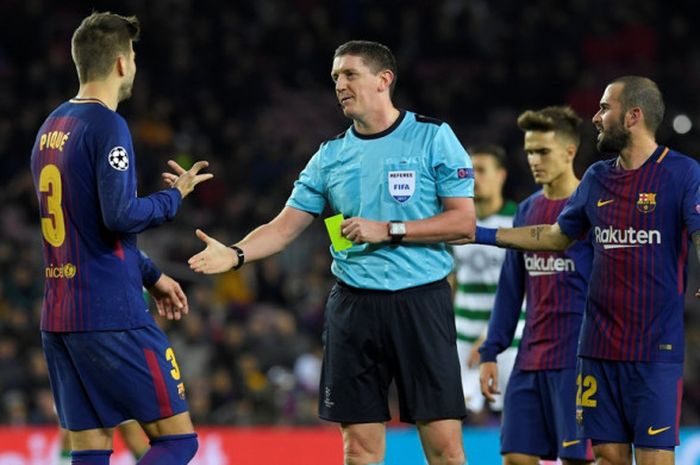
x: 372, y: 337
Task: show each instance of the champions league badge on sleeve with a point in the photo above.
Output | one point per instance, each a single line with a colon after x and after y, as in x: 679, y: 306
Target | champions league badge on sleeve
x: 464, y: 173
x: 118, y: 158
x: 402, y: 185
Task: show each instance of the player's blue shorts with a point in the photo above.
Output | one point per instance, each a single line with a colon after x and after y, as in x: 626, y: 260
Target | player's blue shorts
x: 539, y: 415
x: 630, y: 402
x: 101, y: 378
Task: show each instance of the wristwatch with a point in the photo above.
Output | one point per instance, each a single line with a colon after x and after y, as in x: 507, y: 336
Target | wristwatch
x: 397, y: 230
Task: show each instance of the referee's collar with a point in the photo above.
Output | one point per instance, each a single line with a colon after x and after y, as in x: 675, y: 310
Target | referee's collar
x: 377, y: 135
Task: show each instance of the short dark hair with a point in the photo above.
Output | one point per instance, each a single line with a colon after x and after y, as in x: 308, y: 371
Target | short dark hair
x: 378, y: 57
x: 497, y: 152
x: 98, y: 40
x: 563, y: 120
x: 642, y: 92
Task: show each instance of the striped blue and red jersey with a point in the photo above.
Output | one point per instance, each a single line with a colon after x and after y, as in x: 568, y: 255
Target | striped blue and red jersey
x: 554, y: 286
x: 640, y: 223
x: 83, y: 168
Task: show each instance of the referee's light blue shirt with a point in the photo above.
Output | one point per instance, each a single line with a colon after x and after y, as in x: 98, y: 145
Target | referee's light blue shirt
x: 398, y: 174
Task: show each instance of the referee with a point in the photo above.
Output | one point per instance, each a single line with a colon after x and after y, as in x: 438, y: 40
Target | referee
x: 405, y: 184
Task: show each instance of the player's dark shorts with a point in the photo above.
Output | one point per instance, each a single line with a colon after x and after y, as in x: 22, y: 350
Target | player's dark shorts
x: 631, y: 402
x: 101, y: 378
x: 372, y: 337
x: 539, y: 416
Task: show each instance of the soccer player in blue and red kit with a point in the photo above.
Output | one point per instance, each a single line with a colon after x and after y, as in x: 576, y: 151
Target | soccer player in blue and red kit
x: 108, y: 361
x: 539, y: 412
x: 641, y: 208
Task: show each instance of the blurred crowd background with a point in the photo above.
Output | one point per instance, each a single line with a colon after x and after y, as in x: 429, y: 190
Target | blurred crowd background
x: 246, y: 85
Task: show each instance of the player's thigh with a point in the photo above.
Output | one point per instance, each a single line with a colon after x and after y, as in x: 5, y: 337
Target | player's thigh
x: 561, y: 394
x: 600, y: 402
x: 91, y: 439
x: 526, y: 423
x: 653, y: 393
x: 644, y: 456
x: 174, y: 425
x: 74, y: 405
x: 520, y: 459
x: 612, y: 453
x: 129, y: 374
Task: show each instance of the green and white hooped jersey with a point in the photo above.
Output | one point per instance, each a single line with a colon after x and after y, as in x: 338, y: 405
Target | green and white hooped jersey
x: 402, y: 174
x: 477, y: 269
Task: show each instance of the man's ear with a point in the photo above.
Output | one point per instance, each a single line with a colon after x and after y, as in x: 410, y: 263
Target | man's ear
x: 121, y: 65
x: 633, y: 117
x: 386, y: 77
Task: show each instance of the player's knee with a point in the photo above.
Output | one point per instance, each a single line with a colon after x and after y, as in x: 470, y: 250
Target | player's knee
x: 179, y: 449
x: 451, y: 455
x: 359, y: 452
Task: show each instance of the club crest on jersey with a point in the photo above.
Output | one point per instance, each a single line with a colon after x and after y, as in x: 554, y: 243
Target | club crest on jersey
x: 118, y: 158
x: 402, y: 185
x: 646, y: 203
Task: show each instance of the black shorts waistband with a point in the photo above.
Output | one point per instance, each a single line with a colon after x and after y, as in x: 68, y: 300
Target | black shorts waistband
x: 423, y: 287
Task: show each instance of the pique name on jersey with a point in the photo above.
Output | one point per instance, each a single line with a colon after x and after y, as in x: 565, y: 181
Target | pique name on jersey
x: 53, y: 140
x: 536, y: 265
x: 613, y: 238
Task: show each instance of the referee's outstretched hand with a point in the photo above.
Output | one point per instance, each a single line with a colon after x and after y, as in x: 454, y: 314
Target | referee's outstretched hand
x: 186, y: 180
x: 215, y: 258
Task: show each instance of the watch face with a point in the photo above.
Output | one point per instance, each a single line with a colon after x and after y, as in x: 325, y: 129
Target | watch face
x: 398, y: 229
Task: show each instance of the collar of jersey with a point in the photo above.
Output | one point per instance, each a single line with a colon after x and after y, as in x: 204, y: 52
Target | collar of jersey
x: 402, y: 114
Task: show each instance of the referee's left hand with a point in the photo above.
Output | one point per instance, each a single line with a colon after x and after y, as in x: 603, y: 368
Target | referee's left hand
x: 361, y: 230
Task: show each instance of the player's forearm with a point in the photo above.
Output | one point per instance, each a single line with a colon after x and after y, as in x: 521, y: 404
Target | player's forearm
x: 542, y: 237
x: 139, y: 214
x: 696, y: 241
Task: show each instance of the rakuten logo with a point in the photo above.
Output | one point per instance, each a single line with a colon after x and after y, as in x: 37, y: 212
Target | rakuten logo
x: 540, y: 266
x: 612, y: 238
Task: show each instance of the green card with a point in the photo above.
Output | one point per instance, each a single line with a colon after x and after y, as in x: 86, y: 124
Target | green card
x: 333, y: 227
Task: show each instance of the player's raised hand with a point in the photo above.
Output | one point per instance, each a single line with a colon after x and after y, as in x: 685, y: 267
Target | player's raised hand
x: 215, y: 258
x: 186, y: 180
x: 170, y: 301
x: 488, y: 377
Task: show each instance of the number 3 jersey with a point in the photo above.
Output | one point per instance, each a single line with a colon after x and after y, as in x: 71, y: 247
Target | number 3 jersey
x: 640, y: 223
x: 83, y: 168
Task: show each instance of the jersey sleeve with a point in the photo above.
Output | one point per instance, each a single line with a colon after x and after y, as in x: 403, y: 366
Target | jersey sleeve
x: 149, y: 272
x: 508, y: 304
x: 115, y: 168
x: 309, y: 189
x: 573, y: 220
x: 691, y: 199
x: 451, y: 164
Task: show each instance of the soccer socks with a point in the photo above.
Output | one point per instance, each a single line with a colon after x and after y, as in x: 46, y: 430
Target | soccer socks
x: 90, y: 457
x: 177, y: 449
